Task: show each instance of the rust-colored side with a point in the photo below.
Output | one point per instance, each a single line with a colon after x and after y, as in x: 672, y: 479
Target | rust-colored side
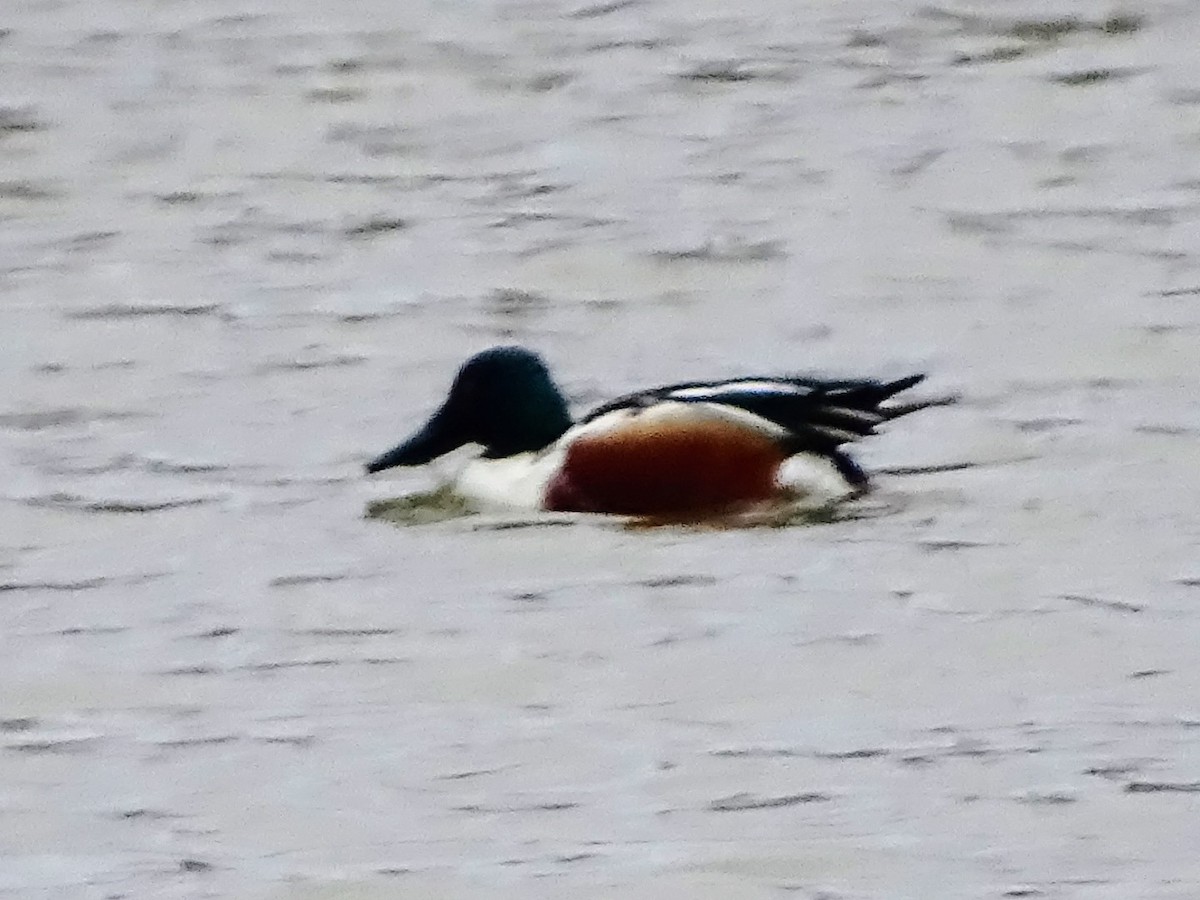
x: 652, y: 467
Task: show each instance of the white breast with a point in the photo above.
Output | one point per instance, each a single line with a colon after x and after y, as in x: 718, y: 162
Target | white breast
x: 515, y: 482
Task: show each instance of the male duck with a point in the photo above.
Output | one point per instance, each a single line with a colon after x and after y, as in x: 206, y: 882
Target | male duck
x: 691, y: 449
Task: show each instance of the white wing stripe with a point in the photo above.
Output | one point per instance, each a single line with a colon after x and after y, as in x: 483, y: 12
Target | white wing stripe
x: 716, y: 391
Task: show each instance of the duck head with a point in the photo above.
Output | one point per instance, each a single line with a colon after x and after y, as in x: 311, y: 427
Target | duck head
x: 502, y: 399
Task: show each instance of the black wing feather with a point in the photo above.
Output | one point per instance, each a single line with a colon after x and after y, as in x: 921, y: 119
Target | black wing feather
x: 819, y: 414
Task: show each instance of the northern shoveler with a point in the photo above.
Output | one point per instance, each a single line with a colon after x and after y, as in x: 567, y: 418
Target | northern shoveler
x: 691, y: 449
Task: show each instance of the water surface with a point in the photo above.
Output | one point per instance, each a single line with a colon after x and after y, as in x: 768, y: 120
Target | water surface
x: 243, y: 247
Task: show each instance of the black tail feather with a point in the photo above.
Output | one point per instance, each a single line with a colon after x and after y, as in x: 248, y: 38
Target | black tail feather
x: 895, y: 411
x: 850, y: 470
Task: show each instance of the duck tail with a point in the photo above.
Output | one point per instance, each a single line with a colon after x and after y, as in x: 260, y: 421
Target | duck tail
x: 896, y: 410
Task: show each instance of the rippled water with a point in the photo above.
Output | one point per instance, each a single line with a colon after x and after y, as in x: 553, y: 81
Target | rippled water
x: 243, y: 247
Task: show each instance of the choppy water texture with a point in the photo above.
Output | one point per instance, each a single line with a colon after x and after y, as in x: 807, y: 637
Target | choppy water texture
x: 243, y: 246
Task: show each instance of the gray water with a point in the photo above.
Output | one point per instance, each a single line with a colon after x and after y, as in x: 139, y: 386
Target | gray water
x: 243, y: 247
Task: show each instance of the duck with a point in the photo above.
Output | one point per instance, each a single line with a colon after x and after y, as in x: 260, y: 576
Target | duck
x: 692, y: 449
